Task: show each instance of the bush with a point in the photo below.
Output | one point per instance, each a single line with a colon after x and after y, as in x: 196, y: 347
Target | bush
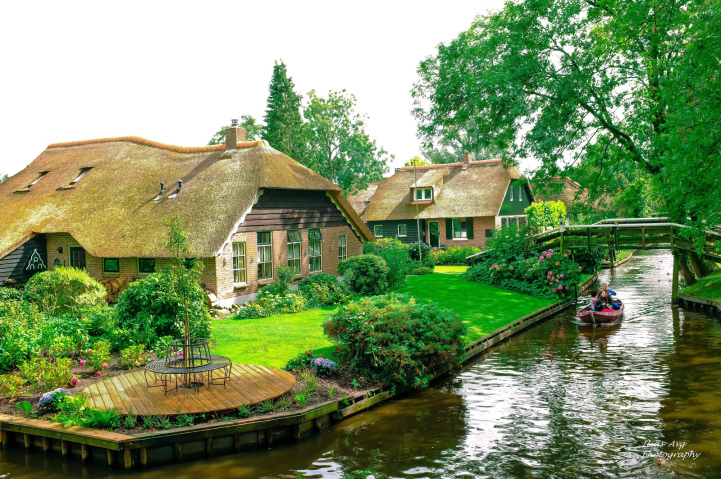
x: 133, y: 356
x: 366, y: 274
x: 413, y: 251
x: 396, y: 257
x: 268, y: 304
x: 281, y: 285
x: 308, y: 360
x: 152, y: 307
x: 96, y: 358
x: 47, y: 374
x: 395, y: 340
x: 421, y: 271
x: 64, y: 291
x: 549, y: 275
x: 10, y: 294
x: 324, y: 289
x: 590, y: 260
x: 455, y: 255
x: 50, y: 401
x: 11, y: 386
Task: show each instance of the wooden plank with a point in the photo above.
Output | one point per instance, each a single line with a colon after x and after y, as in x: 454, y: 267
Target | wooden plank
x: 122, y: 395
x: 265, y: 390
x: 143, y: 406
x: 109, y: 404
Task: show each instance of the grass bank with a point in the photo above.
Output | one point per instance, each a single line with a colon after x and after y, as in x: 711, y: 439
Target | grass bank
x: 706, y: 288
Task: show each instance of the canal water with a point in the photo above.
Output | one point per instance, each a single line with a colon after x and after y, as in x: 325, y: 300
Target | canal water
x: 558, y: 401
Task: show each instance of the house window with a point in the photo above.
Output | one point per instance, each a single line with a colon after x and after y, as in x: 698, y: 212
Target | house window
x: 511, y: 193
x: 504, y: 222
x: 489, y: 233
x: 146, y: 265
x: 314, y: 249
x: 42, y: 173
x: 83, y: 172
x: 111, y: 265
x: 342, y: 247
x: 265, y: 255
x: 378, y: 231
x: 403, y: 230
x: 294, y: 240
x: 424, y: 194
x: 520, y: 193
x: 459, y: 228
x: 239, y: 275
x: 77, y: 258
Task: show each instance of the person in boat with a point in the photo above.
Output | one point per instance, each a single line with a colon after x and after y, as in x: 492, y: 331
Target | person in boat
x: 603, y: 301
x: 611, y: 293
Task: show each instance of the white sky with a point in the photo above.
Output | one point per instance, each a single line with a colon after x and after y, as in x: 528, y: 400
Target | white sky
x: 174, y: 72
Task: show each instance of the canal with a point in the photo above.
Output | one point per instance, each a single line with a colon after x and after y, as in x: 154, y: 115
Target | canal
x: 558, y: 401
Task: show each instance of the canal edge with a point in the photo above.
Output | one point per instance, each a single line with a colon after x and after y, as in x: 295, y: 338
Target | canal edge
x: 695, y: 303
x: 213, y: 439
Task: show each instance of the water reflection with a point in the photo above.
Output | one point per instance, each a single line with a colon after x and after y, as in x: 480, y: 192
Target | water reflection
x: 559, y: 401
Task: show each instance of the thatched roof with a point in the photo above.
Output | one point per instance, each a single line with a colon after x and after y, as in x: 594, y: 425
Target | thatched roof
x: 359, y: 199
x: 477, y: 190
x: 112, y: 210
x: 570, y: 193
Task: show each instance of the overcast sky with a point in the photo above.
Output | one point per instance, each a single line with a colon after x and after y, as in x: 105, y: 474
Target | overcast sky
x: 174, y: 72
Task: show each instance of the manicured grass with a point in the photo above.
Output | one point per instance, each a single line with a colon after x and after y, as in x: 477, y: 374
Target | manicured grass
x: 706, y: 288
x: 623, y: 254
x: 484, y: 308
x: 272, y: 341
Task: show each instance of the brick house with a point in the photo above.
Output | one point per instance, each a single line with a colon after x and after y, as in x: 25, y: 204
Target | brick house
x: 245, y: 207
x: 456, y: 204
x: 570, y: 192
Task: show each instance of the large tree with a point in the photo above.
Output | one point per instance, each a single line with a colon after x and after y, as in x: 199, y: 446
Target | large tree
x: 252, y: 131
x: 610, y: 84
x: 283, y: 128
x: 339, y: 147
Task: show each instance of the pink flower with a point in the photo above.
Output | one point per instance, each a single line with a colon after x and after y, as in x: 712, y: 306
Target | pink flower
x: 105, y: 365
x: 90, y: 351
x: 567, y: 287
x: 561, y: 275
x: 550, y: 251
x: 74, y: 381
x: 541, y: 258
x: 580, y: 268
x: 98, y: 373
x: 550, y: 273
x: 82, y: 362
x: 180, y: 354
x: 565, y: 255
x: 555, y: 290
x: 550, y: 284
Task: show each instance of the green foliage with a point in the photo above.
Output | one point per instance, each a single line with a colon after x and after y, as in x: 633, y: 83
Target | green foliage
x: 97, y: 357
x: 283, y: 279
x: 421, y: 271
x: 307, y: 382
x: 509, y: 244
x: 455, y: 255
x: 628, y: 88
x: 268, y: 304
x: 266, y: 407
x: 10, y: 294
x: 396, y: 256
x: 396, y: 340
x: 64, y: 291
x: 590, y: 260
x: 245, y: 411
x: 47, y: 373
x: 331, y: 392
x: 302, y: 399
x: 130, y: 420
x: 425, y: 249
x: 11, y: 386
x: 283, y: 123
x: 416, y: 161
x: 550, y: 275
x: 543, y: 215
x: 161, y: 346
x: 366, y: 274
x: 184, y: 420
x: 26, y: 407
x: 339, y: 147
x: 283, y: 404
x: 133, y: 356
x: 323, y: 289
x: 252, y: 131
x: 156, y: 422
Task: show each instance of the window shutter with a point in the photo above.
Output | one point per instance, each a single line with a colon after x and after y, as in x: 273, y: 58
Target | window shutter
x: 449, y: 228
x: 469, y: 227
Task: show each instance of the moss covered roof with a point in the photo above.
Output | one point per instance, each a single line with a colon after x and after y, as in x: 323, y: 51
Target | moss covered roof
x: 113, y: 212
x: 477, y: 190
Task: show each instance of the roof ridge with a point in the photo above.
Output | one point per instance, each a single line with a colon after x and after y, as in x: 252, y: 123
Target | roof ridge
x: 155, y: 144
x: 445, y: 165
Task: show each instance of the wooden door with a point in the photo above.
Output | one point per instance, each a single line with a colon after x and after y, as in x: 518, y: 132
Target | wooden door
x: 435, y: 234
x: 77, y: 258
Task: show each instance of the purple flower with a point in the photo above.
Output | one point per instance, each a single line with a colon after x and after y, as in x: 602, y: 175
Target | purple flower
x: 323, y: 363
x: 550, y: 273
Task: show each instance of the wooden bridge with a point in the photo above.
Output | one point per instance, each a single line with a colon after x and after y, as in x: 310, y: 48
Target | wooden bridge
x: 624, y: 233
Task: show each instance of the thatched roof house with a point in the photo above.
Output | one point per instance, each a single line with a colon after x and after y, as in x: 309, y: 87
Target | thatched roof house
x: 570, y: 192
x: 112, y: 196
x: 457, y: 204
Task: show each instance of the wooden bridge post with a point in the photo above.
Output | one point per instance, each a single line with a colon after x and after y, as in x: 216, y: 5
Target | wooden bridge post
x: 674, y: 284
x: 562, y: 229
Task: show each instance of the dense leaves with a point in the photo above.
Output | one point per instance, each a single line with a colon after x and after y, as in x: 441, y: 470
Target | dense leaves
x: 366, y: 274
x: 396, y: 340
x: 252, y: 131
x: 543, y: 215
x: 283, y: 123
x: 454, y: 255
x: 64, y: 291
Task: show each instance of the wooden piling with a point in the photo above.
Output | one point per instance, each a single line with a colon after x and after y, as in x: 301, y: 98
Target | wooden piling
x: 85, y: 452
x: 65, y: 448
x: 46, y: 445
x: 112, y: 458
x: 674, y: 284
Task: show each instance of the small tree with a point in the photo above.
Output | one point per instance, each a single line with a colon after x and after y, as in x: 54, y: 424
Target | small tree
x: 545, y: 215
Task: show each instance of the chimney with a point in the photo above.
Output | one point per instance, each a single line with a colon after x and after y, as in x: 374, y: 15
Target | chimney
x: 233, y: 135
x: 466, y: 159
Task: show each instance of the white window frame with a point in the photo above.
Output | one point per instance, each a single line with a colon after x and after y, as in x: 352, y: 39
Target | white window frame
x: 236, y: 255
x: 342, y: 247
x: 463, y: 234
x: 265, y: 250
x: 83, y: 172
x: 294, y: 256
x: 511, y: 193
x: 375, y: 231
x: 42, y: 175
x: 399, y: 230
x: 315, y: 252
x: 423, y: 192
x: 520, y: 193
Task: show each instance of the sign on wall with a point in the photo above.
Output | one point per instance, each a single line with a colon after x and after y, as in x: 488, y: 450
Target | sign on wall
x: 35, y: 262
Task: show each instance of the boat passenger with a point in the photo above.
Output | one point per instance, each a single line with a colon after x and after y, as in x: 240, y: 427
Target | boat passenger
x: 611, y: 293
x: 603, y: 301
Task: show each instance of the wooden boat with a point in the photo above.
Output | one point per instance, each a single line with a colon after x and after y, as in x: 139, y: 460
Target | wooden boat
x: 598, y: 317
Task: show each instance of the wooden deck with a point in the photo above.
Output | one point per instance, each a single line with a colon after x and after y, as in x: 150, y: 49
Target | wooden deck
x: 249, y: 384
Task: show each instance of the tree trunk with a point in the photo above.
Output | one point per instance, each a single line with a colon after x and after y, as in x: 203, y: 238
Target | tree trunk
x: 688, y: 277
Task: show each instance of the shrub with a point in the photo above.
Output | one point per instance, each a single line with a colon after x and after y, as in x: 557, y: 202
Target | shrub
x: 366, y: 274
x: 395, y: 340
x: 50, y: 401
x: 396, y: 257
x: 96, y: 358
x: 10, y: 294
x: 46, y: 374
x: 590, y: 260
x: 413, y: 251
x: 268, y: 304
x: 11, y: 386
x: 18, y: 332
x: 283, y: 279
x: 324, y: 289
x: 421, y: 271
x: 64, y: 291
x: 308, y: 360
x: 454, y: 255
x: 133, y: 356
x: 152, y: 307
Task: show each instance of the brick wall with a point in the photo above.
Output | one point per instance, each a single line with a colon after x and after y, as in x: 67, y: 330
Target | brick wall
x: 226, y: 289
x: 480, y: 225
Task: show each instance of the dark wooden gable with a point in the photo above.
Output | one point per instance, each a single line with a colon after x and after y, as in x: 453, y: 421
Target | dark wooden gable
x: 289, y: 209
x: 15, y: 264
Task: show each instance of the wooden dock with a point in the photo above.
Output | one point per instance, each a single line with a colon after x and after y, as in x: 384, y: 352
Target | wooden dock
x: 248, y: 384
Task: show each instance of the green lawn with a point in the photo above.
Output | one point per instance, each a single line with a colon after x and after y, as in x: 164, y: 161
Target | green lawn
x: 707, y: 288
x: 272, y: 341
x: 484, y: 308
x: 622, y: 254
